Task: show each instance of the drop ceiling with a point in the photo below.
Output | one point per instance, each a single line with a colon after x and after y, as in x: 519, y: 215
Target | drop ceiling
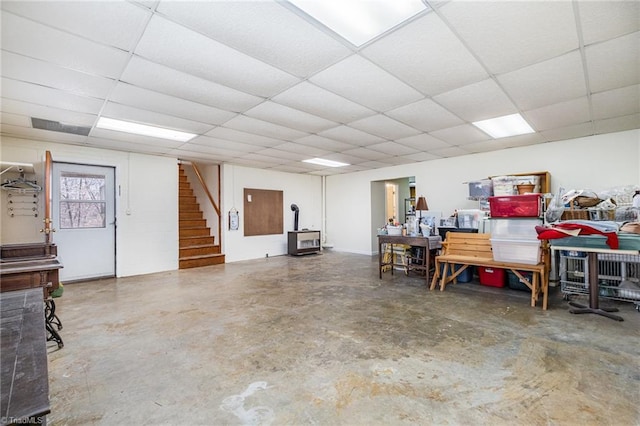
x: 265, y: 86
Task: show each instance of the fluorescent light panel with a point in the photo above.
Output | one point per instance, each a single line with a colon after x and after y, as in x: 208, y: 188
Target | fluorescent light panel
x: 143, y: 129
x: 359, y: 21
x: 501, y: 127
x: 323, y: 162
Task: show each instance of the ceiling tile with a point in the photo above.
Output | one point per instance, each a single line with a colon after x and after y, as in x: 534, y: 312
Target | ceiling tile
x: 425, y: 115
x: 289, y: 117
x: 307, y: 150
x: 160, y: 78
x: 42, y: 135
x: 36, y: 94
x: 460, y: 135
x: 198, y: 157
x: 128, y: 113
x: 365, y: 153
x: 253, y: 163
x: 21, y: 68
x: 359, y: 80
x: 47, y: 113
x: 537, y: 85
x: 393, y: 148
x: 423, y: 142
x: 615, y: 63
x: 219, y: 151
x: 439, y: 61
x: 399, y: 160
x: 603, y: 20
x: 239, y: 136
x: 383, y: 126
x: 569, y: 132
x: 619, y: 102
x: 318, y: 101
x: 180, y: 48
x: 291, y: 168
x: 618, y: 124
x: 422, y: 156
x: 114, y: 23
x: 263, y: 128
x: 264, y: 30
x: 559, y: 115
x: 477, y: 101
x: 15, y: 119
x: 351, y: 136
x: 454, y: 151
x: 510, y: 35
x: 153, y: 101
x: 323, y: 143
x: 267, y: 159
x: 37, y: 41
x: 228, y: 146
x: 284, y: 155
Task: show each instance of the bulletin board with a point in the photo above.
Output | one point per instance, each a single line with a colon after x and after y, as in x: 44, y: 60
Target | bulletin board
x: 263, y: 212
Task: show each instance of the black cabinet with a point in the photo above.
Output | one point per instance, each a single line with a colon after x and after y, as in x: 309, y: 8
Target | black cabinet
x: 303, y: 242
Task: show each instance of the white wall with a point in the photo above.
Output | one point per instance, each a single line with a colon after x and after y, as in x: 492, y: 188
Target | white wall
x: 146, y: 202
x: 597, y: 162
x: 303, y: 190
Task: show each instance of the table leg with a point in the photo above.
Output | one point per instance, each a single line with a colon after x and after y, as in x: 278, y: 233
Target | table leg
x: 380, y: 256
x: 427, y: 256
x: 52, y: 322
x: 594, y: 307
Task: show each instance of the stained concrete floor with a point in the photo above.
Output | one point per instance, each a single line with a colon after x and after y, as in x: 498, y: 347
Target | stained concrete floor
x: 321, y: 340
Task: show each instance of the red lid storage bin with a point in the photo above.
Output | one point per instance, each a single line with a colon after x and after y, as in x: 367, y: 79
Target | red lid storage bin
x: 515, y: 205
x: 493, y: 277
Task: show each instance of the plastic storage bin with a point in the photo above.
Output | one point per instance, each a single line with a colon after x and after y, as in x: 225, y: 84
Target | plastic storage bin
x: 481, y: 189
x: 470, y: 219
x: 515, y: 206
x: 394, y: 230
x: 493, y: 277
x: 515, y: 283
x: 519, y: 228
x: 464, y: 277
x: 516, y: 251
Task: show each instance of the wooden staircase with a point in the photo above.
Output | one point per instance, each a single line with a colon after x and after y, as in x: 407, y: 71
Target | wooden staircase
x: 197, y: 245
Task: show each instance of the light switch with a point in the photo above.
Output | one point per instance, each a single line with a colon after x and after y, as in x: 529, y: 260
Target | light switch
x: 249, y: 198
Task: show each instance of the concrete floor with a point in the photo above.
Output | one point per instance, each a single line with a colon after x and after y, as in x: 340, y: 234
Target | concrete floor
x: 321, y: 340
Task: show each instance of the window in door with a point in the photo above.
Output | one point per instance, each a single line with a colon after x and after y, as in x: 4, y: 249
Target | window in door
x: 83, y: 201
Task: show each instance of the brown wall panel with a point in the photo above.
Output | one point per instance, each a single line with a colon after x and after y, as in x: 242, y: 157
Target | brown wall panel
x: 263, y: 215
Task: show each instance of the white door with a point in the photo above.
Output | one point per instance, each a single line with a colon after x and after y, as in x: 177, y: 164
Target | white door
x: 83, y: 215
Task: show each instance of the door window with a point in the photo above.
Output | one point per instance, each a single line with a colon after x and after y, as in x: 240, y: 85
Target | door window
x: 83, y: 201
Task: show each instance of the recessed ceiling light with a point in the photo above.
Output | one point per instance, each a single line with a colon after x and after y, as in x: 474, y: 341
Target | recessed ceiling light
x: 323, y: 162
x: 359, y: 21
x: 143, y: 129
x: 501, y: 127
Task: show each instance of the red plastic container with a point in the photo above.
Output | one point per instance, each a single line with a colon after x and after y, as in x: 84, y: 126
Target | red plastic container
x: 528, y: 205
x: 493, y: 277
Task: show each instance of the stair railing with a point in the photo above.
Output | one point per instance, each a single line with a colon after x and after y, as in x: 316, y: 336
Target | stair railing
x: 211, y: 199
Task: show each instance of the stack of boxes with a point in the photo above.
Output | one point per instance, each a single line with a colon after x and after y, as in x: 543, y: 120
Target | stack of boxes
x: 513, y: 237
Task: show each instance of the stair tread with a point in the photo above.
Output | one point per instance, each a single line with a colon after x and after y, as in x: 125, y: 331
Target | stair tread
x: 186, y: 237
x: 202, y: 256
x: 195, y: 246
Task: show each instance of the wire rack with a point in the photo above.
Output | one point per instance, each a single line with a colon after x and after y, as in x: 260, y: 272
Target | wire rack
x: 618, y: 275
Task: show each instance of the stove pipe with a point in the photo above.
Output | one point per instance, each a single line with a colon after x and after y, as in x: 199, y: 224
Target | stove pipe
x: 295, y: 209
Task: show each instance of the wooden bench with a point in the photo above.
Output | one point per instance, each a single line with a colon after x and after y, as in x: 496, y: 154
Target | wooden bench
x: 465, y: 249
